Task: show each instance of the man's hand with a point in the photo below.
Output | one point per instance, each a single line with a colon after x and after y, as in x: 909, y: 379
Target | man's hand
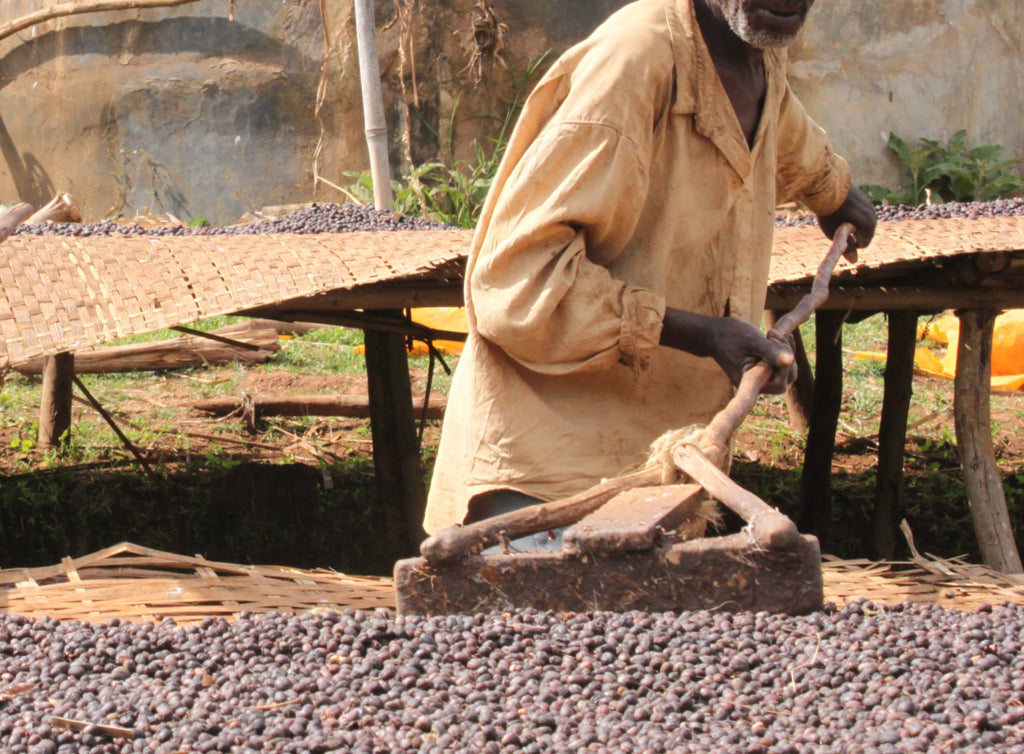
x: 858, y: 210
x: 734, y: 344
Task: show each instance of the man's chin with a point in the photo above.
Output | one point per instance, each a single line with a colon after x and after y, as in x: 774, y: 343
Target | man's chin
x: 764, y: 35
x: 765, y: 40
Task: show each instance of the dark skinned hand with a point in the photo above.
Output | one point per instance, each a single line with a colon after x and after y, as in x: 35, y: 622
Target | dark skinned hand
x: 858, y: 210
x: 734, y: 344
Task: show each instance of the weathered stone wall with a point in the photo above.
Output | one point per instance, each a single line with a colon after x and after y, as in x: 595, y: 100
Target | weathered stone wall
x: 919, y: 68
x: 187, y: 111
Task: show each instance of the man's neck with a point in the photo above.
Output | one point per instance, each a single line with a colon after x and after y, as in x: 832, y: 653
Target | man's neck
x: 726, y: 48
x: 740, y: 67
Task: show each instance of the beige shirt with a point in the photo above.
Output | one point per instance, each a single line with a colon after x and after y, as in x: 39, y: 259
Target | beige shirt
x: 627, y: 186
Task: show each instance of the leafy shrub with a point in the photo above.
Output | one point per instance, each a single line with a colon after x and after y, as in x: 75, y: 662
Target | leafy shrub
x: 950, y: 172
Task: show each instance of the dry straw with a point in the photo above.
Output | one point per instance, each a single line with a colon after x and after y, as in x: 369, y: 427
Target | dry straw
x: 135, y: 583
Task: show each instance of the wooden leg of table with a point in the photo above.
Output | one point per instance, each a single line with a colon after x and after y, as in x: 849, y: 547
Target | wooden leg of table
x: 815, y: 481
x: 800, y: 395
x: 892, y: 433
x: 974, y: 441
x: 396, y: 453
x: 55, y: 404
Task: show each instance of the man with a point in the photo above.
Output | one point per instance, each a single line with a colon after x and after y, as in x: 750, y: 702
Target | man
x: 622, y: 255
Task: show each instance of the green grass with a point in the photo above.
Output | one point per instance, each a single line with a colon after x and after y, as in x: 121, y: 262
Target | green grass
x: 934, y: 496
x: 93, y: 494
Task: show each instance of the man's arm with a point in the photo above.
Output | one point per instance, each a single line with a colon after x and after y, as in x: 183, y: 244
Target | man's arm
x: 565, y: 206
x: 734, y: 344
x: 811, y: 172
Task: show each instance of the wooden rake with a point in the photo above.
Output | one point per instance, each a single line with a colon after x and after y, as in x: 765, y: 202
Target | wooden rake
x: 623, y: 550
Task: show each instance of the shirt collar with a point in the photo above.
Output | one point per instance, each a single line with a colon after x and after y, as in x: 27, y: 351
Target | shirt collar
x: 699, y: 91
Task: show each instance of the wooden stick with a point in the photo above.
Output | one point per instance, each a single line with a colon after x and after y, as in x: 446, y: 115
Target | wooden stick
x: 173, y: 353
x: 458, y: 541
x: 12, y: 218
x: 352, y: 406
x: 233, y: 342
x: 728, y: 420
x: 81, y: 6
x: 113, y: 731
x: 113, y: 425
x: 232, y: 440
x: 768, y: 528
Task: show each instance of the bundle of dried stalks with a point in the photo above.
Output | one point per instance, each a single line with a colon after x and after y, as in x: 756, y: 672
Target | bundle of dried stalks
x: 131, y: 582
x: 62, y: 208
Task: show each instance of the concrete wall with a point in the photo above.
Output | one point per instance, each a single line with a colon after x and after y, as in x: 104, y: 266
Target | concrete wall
x: 172, y: 110
x: 186, y: 111
x: 919, y: 68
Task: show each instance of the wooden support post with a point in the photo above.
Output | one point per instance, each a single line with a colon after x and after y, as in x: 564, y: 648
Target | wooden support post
x: 815, y: 481
x: 974, y: 440
x: 396, y: 453
x: 55, y: 404
x: 892, y: 433
x: 800, y: 395
x: 373, y: 104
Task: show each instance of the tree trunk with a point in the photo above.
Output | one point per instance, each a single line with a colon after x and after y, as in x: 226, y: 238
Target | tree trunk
x: 974, y: 441
x: 816, y: 480
x: 892, y: 434
x: 55, y: 403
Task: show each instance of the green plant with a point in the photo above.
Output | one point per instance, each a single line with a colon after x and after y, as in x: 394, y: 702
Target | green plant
x: 978, y: 174
x: 22, y: 444
x: 950, y: 172
x: 879, y: 194
x: 450, y: 190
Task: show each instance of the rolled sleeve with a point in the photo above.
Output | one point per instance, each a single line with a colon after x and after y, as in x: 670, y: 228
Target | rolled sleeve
x: 541, y: 288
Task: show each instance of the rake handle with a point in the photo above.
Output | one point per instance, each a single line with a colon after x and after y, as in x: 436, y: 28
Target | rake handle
x: 768, y: 527
x: 728, y: 420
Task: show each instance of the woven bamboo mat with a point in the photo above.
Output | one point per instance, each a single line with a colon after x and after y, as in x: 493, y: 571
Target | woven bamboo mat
x: 798, y: 250
x: 62, y: 293
x: 136, y: 583
x: 952, y: 583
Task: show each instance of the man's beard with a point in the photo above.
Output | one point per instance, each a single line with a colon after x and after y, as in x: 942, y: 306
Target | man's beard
x: 739, y: 18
